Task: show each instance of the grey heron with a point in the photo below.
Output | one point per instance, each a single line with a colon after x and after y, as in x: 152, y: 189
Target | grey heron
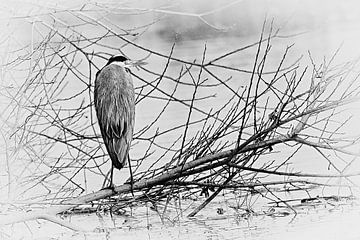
x: 114, y: 100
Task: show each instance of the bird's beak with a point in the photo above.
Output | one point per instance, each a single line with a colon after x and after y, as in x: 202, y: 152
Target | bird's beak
x: 134, y: 64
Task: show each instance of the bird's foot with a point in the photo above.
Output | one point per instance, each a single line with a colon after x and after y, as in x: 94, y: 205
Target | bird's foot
x: 131, y: 187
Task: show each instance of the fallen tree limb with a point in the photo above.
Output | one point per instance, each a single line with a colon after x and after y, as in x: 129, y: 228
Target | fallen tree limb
x: 177, y: 172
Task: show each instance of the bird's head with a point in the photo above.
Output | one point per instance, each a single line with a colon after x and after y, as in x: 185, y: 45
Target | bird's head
x: 125, y: 62
x: 120, y: 60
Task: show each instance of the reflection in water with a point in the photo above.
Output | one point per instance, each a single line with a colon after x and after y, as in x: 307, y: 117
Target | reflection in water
x: 318, y: 222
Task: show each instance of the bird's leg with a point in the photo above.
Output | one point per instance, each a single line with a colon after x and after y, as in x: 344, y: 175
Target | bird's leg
x: 131, y: 177
x: 111, y: 177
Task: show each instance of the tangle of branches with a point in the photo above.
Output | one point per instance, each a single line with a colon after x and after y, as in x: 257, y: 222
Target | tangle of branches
x: 214, y: 126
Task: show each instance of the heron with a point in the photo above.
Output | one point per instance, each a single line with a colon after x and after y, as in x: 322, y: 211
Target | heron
x: 114, y: 99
